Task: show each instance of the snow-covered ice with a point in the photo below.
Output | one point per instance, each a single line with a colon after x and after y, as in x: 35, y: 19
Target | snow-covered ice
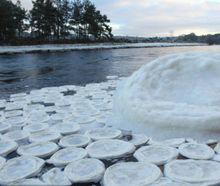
x: 28, y: 182
x: 171, y: 97
x: 2, y: 162
x: 55, y: 177
x: 75, y: 140
x: 67, y: 155
x: 139, y: 139
x: 131, y: 173
x: 45, y: 136
x: 7, y: 146
x: 193, y: 171
x: 21, y: 167
x: 41, y: 150
x: 19, y: 136
x: 156, y: 154
x: 196, y: 151
x: 109, y: 149
x: 66, y: 128
x: 217, y: 148
x: 104, y: 133
x: 87, y: 170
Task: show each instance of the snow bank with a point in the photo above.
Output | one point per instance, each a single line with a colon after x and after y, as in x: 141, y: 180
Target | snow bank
x: 173, y: 96
x: 75, y: 47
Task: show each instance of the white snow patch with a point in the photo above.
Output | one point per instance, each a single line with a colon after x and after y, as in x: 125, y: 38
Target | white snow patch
x: 171, y: 97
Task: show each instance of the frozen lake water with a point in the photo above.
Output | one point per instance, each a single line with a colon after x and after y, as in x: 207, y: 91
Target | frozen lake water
x: 24, y: 72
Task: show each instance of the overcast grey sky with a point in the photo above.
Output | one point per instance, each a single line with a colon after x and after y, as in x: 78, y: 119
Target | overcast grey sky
x: 159, y: 17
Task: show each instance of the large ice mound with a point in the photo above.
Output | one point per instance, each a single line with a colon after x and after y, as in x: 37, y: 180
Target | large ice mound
x: 173, y: 96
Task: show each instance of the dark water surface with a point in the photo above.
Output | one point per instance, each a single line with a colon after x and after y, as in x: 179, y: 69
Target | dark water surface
x: 24, y: 72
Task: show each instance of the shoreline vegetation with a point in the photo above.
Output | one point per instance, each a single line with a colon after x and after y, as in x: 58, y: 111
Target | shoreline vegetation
x: 70, y: 22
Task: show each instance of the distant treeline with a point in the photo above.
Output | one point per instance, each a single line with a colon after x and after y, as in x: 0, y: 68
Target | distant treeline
x: 209, y: 39
x: 52, y: 21
x: 188, y: 38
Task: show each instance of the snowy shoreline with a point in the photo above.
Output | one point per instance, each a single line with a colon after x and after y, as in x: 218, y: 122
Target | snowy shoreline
x: 4, y: 50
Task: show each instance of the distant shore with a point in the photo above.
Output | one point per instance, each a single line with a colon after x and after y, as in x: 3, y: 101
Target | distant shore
x: 4, y: 50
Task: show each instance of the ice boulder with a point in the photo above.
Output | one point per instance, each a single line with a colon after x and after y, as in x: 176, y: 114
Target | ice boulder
x: 173, y: 96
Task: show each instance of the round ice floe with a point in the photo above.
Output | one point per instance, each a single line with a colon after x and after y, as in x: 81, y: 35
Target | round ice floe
x: 104, y: 133
x: 172, y: 97
x: 59, y: 116
x: 2, y: 162
x: 75, y: 140
x: 211, y: 142
x: 19, y: 136
x: 28, y: 182
x: 38, y: 116
x: 4, y: 127
x: 13, y: 113
x: 85, y: 171
x: 109, y: 149
x: 66, y: 128
x: 67, y: 155
x: 217, y: 148
x: 85, y: 120
x: 216, y: 157
x: 45, y: 136
x: 156, y: 154
x: 7, y: 146
x: 131, y: 173
x: 163, y: 181
x: 175, y: 142
x: 193, y: 171
x: 196, y: 151
x: 90, y: 126
x: 139, y: 139
x: 37, y: 127
x: 41, y: 150
x: 55, y: 177
x: 16, y: 122
x: 19, y: 168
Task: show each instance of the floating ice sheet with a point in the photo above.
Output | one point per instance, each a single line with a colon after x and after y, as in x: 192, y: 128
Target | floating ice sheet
x: 55, y: 177
x: 131, y: 173
x: 193, y: 171
x: 18, y: 168
x: 41, y: 150
x: 156, y: 154
x: 75, y: 140
x: 104, y: 133
x: 67, y: 155
x: 109, y: 149
x: 87, y: 170
x: 196, y: 151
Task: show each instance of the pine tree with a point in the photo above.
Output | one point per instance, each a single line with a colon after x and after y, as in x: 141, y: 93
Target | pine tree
x: 20, y: 16
x: 12, y: 18
x: 76, y: 20
x: 37, y: 18
x: 49, y: 13
x: 62, y: 18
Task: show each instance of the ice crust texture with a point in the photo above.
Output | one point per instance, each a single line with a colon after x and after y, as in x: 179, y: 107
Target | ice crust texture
x: 172, y: 96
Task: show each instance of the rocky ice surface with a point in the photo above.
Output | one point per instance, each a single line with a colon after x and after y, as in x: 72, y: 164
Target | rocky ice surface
x: 62, y: 136
x: 74, y: 47
x: 173, y: 96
